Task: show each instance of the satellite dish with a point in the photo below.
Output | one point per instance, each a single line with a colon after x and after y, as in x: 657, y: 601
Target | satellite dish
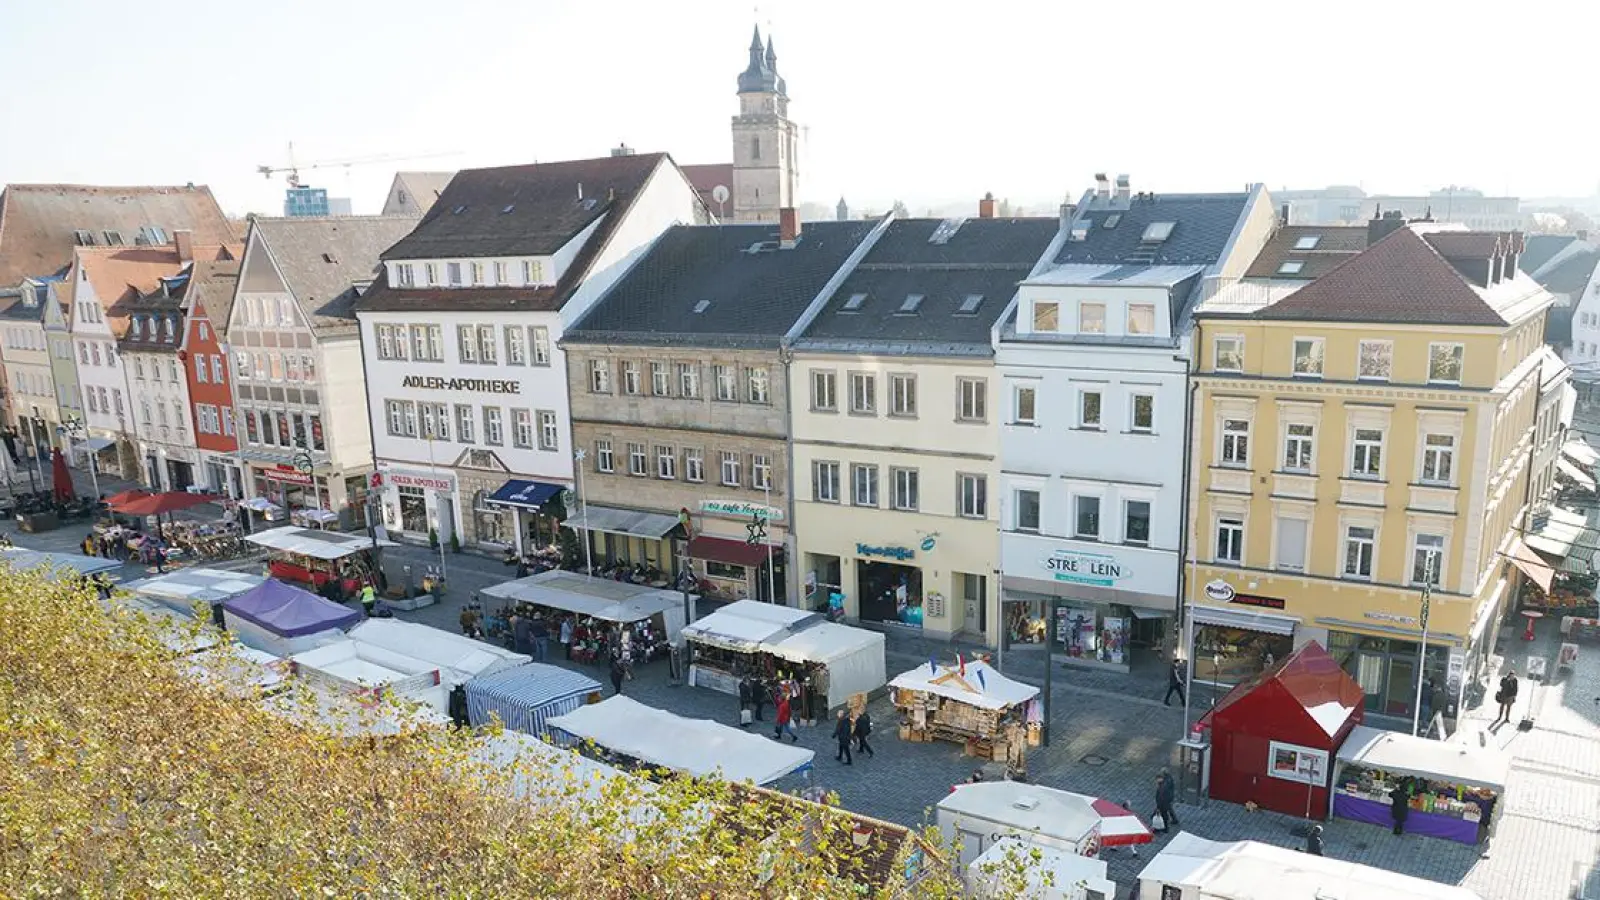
x: 720, y: 194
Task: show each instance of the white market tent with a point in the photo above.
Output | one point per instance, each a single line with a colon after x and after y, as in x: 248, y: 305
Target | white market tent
x: 1457, y: 763
x: 354, y: 667
x: 458, y: 657
x: 180, y: 632
x: 598, y: 598
x: 238, y: 670
x: 1049, y: 817
x: 314, y: 542
x: 986, y: 875
x: 550, y: 772
x: 692, y: 746
x: 1247, y: 870
x: 981, y: 686
x: 23, y: 559
x: 854, y: 657
x: 182, y: 589
x: 345, y: 715
x: 747, y: 624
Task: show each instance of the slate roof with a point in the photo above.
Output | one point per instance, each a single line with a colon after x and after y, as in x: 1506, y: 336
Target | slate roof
x: 323, y: 259
x: 751, y: 299
x: 1335, y: 244
x: 1572, y: 275
x: 38, y: 221
x: 1541, y: 249
x: 983, y: 258
x: 211, y: 289
x: 1204, y: 223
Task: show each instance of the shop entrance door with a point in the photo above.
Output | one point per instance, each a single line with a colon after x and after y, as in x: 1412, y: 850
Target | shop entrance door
x: 889, y: 592
x: 1400, y: 692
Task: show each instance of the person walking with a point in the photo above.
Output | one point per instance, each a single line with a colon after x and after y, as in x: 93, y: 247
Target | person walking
x: 469, y: 621
x: 618, y: 673
x: 522, y: 633
x: 758, y: 696
x: 1507, y: 695
x: 160, y: 555
x: 566, y: 636
x: 863, y: 728
x: 781, y: 715
x: 1166, y: 792
x: 1400, y: 805
x: 744, y: 702
x: 539, y: 634
x: 1175, y: 683
x: 369, y: 599
x: 1314, y: 841
x: 842, y: 732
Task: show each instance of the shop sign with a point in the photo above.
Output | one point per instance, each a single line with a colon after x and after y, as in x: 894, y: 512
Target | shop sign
x: 1219, y: 591
x: 1390, y: 617
x: 900, y: 553
x: 1457, y: 670
x: 1086, y: 568
x: 444, y: 484
x: 483, y: 385
x: 288, y: 475
x: 1292, y: 762
x: 741, y: 509
x: 1256, y: 600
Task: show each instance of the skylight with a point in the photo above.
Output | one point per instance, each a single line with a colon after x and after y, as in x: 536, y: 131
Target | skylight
x: 508, y: 208
x: 1308, y: 242
x: 1156, y: 232
x: 1291, y: 267
x: 970, y: 304
x: 458, y: 211
x: 910, y: 305
x: 1111, y: 221
x: 854, y: 303
x: 702, y: 306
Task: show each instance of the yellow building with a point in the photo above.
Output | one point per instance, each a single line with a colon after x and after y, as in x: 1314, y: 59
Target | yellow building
x: 1353, y: 438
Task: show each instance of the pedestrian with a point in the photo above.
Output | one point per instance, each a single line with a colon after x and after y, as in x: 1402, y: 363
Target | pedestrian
x: 744, y: 702
x: 842, y: 733
x: 618, y: 672
x: 566, y: 636
x: 540, y: 634
x: 1507, y: 695
x: 469, y: 622
x: 758, y: 696
x: 783, y: 720
x: 88, y: 544
x: 369, y: 599
x: 1175, y: 683
x: 522, y: 633
x: 1400, y: 805
x: 1314, y: 841
x: 160, y: 554
x: 458, y: 706
x: 863, y: 729
x: 1166, y: 792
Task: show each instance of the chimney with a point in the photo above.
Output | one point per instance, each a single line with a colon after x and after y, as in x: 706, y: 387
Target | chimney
x: 1124, y: 190
x: 580, y: 191
x: 183, y: 242
x: 1283, y: 214
x: 1102, y: 186
x: 788, y: 226
x: 1582, y: 234
x: 986, y: 206
x: 1384, y: 225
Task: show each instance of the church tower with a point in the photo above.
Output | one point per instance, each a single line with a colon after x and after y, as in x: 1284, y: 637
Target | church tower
x: 766, y: 170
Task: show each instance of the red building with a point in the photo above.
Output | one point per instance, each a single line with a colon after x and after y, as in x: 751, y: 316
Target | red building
x: 205, y: 360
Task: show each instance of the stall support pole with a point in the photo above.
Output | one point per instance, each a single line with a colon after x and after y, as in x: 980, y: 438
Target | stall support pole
x: 583, y: 500
x: 1422, y: 648
x: 1049, y: 665
x: 772, y: 583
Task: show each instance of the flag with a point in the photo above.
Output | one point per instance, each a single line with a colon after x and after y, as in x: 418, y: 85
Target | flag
x: 982, y: 682
x: 961, y: 663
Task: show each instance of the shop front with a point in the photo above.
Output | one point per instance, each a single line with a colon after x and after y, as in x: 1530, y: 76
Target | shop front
x: 1238, y: 641
x: 643, y: 541
x: 417, y: 502
x: 738, y: 551
x: 534, y: 508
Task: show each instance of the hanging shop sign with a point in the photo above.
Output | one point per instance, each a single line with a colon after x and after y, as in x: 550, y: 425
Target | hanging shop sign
x: 900, y: 553
x: 741, y: 509
x: 287, y: 475
x: 1075, y: 567
x: 443, y: 483
x: 1219, y: 591
x: 481, y: 385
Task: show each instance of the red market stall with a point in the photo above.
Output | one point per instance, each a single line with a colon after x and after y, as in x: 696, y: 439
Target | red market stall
x: 1274, y: 737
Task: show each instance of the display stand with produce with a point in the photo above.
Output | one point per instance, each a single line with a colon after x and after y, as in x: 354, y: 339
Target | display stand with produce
x: 1453, y: 790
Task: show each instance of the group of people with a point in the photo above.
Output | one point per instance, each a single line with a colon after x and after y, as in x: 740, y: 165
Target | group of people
x: 118, y: 543
x: 850, y: 731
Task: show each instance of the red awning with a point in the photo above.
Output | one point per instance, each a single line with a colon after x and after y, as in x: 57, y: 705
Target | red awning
x: 157, y: 504
x: 734, y: 553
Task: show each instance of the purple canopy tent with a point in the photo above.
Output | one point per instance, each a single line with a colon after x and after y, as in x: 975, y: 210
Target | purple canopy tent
x: 281, y: 618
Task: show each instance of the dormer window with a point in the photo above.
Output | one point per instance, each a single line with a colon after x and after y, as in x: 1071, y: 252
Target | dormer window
x: 908, y: 307
x: 854, y: 303
x: 404, y: 275
x: 1308, y: 242
x: 172, y: 328
x: 138, y: 327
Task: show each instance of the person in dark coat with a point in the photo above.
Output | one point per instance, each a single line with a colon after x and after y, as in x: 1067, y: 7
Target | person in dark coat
x: 618, y: 672
x: 863, y: 728
x: 1166, y: 792
x: 1314, y: 841
x: 522, y: 633
x: 758, y: 696
x: 1507, y: 695
x: 1175, y: 683
x: 458, y: 706
x: 744, y: 701
x: 1400, y: 805
x: 842, y: 732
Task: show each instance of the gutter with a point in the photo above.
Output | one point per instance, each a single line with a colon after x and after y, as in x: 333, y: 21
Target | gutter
x: 1182, y: 614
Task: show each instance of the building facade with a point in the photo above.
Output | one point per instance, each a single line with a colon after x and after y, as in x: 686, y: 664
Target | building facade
x: 33, y: 410
x: 208, y: 301
x: 1357, y: 439
x: 162, y: 421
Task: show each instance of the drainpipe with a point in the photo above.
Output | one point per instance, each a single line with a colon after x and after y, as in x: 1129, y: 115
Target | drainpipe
x: 1180, y: 612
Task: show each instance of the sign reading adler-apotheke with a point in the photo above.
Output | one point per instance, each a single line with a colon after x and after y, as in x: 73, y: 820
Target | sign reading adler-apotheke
x: 1086, y: 568
x: 484, y: 385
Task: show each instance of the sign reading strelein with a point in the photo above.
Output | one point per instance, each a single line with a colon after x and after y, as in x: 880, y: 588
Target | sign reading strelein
x: 486, y: 385
x: 1086, y: 568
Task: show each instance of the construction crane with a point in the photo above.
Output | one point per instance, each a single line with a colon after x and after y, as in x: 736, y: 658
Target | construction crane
x: 293, y: 168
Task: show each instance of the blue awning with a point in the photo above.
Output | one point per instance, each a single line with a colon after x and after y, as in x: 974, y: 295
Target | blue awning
x: 524, y: 493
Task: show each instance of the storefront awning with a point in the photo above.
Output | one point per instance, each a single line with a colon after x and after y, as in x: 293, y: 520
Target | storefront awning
x: 524, y: 493
x: 1579, y: 477
x: 95, y: 445
x: 621, y: 521
x: 734, y: 553
x: 1249, y: 620
x: 1555, y: 531
x: 1532, y: 566
x: 1581, y: 453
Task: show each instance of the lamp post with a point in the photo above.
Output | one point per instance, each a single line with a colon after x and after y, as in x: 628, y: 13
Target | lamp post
x: 583, y: 500
x: 437, y: 495
x: 35, y: 430
x: 75, y: 429
x: 1429, y: 568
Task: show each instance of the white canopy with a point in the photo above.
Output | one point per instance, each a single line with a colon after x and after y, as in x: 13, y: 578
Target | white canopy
x: 1045, y: 811
x: 241, y: 671
x: 854, y: 657
x: 186, y: 587
x: 182, y: 634
x: 458, y: 657
x: 553, y: 772
x: 694, y: 746
x: 314, y: 542
x: 785, y: 616
x: 343, y: 715
x: 987, y: 875
x: 982, y: 686
x: 1456, y: 763
x: 347, y: 664
x: 733, y: 632
x: 1580, y: 451
x: 23, y: 559
x: 599, y: 598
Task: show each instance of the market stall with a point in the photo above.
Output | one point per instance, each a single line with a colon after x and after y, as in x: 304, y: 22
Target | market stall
x: 526, y: 697
x: 312, y: 557
x: 345, y: 715
x: 626, y: 731
x: 643, y: 618
x: 726, y: 645
x: 59, y: 564
x: 177, y: 631
x: 830, y: 662
x: 367, y: 671
x: 283, y: 619
x: 458, y: 657
x: 1050, y: 874
x: 311, y: 517
x: 969, y: 703
x: 1273, y: 736
x: 187, y: 589
x: 542, y: 773
x: 1455, y: 788
x: 978, y: 815
x: 841, y: 660
x: 239, y: 671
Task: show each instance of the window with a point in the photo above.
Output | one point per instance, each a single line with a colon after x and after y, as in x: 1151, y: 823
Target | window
x: 1235, y: 442
x: 285, y: 311
x: 308, y: 366
x: 227, y: 425
x: 1445, y: 361
x: 463, y: 423
x: 903, y: 395
x: 200, y: 372
x: 599, y: 376
x: 493, y: 426
x: 756, y: 384
x: 1027, y: 510
x: 1089, y: 409
x: 1366, y: 459
x: 972, y: 399
x: 1291, y: 547
x: 603, y: 459
x: 83, y: 353
x: 1046, y: 316
x: 1023, y: 400
x: 1136, y: 522
x: 1086, y: 516
x: 636, y: 460
x: 501, y: 276
x: 532, y: 271
x: 1308, y: 357
x: 1375, y: 360
x: 429, y: 420
x: 385, y: 342
x: 666, y: 462
x: 863, y: 393
x: 1307, y: 241
x: 824, y: 392
x: 419, y: 343
x: 1091, y: 318
x: 541, y: 345
x: 689, y: 380
x: 294, y: 368
x: 864, y: 485
x: 1358, y: 546
x: 632, y: 380
x: 1427, y: 559
x: 1230, y: 541
x: 430, y: 273
x: 276, y: 361
x: 730, y: 468
x: 825, y: 482
x: 905, y: 489
x: 726, y: 385
x: 204, y: 330
x: 516, y: 346
x: 1229, y: 352
x: 1297, y: 447
x: 1438, y: 458
x: 1143, y: 411
x: 411, y: 424
x: 138, y: 367
x: 974, y: 494
x: 522, y: 428
x: 694, y: 465
x: 453, y: 271
x: 660, y: 380
x: 477, y: 273
x: 1291, y: 267
x: 549, y: 434
x: 404, y: 275
x: 760, y: 471
x: 467, y: 339
x: 1141, y: 318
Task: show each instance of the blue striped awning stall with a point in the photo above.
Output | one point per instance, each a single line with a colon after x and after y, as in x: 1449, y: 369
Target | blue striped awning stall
x: 525, y: 696
x: 524, y: 493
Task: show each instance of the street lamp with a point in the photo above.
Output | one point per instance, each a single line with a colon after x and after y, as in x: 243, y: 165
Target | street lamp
x: 1429, y: 567
x: 75, y: 429
x: 35, y: 431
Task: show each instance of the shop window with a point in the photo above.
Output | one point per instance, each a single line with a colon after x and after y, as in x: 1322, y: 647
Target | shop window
x: 1136, y: 522
x: 905, y: 489
x: 1027, y: 505
x: 825, y: 482
x: 1427, y: 559
x: 603, y: 460
x: 864, y: 485
x: 1438, y: 458
x: 1086, y: 517
x: 1297, y: 448
x: 1235, y: 442
x: 1359, y: 544
x: 1230, y: 540
x: 1230, y: 655
x: 1366, y: 459
x: 824, y: 392
x: 1308, y: 357
x: 1291, y: 544
x: 974, y: 494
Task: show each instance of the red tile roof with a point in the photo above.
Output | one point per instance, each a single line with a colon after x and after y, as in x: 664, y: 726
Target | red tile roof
x: 706, y: 179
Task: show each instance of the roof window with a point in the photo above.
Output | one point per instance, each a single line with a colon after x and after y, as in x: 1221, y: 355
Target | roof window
x: 909, y: 306
x: 458, y: 211
x: 113, y: 238
x: 1291, y: 267
x: 854, y: 304
x: 702, y: 305
x: 509, y: 208
x: 1308, y: 242
x: 970, y: 304
x: 1111, y: 221
x: 83, y: 238
x: 1156, y: 232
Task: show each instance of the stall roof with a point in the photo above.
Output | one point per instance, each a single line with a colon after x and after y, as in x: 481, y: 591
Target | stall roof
x: 1580, y: 452
x: 240, y: 670
x: 22, y: 559
x: 825, y: 642
x: 288, y: 611
x: 694, y: 746
x: 1247, y: 870
x: 981, y: 686
x: 1537, y: 570
x: 1027, y: 807
x: 1308, y: 681
x: 459, y: 657
x: 181, y: 634
x: 1556, y: 531
x: 1052, y: 870
x: 733, y: 632
x: 552, y: 773
x: 533, y: 685
x: 344, y: 715
x: 600, y: 598
x: 361, y: 663
x: 196, y: 585
x: 1579, y: 477
x: 1444, y: 761
x: 314, y: 542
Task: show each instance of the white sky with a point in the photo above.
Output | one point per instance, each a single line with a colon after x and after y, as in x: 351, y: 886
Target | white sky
x: 919, y: 101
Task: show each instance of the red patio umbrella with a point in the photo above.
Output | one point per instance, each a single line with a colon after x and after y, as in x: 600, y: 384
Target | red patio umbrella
x: 61, y: 477
x: 161, y: 504
x: 122, y: 497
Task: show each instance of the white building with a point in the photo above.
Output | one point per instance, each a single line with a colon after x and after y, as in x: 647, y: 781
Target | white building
x: 298, y: 385
x: 466, y: 383
x: 1093, y: 414
x: 32, y: 398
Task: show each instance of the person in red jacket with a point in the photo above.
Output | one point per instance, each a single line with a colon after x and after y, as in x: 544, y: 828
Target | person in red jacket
x: 785, y: 722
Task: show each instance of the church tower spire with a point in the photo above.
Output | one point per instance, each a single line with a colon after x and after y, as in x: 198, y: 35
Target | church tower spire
x: 765, y: 139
